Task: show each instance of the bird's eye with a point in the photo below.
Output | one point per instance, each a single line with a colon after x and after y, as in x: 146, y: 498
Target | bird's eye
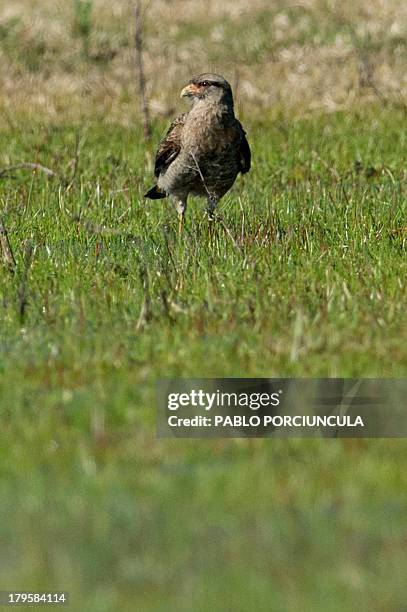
x: 205, y: 83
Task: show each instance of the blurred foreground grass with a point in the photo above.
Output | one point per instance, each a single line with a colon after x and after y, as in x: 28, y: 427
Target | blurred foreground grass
x: 105, y: 299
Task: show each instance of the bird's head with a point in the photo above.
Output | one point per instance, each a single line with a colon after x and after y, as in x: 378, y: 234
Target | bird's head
x: 208, y: 86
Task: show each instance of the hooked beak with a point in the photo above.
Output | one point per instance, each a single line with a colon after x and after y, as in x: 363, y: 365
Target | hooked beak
x: 189, y: 91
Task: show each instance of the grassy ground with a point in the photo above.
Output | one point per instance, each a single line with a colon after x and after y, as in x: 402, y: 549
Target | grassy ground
x: 105, y: 299
x: 64, y: 59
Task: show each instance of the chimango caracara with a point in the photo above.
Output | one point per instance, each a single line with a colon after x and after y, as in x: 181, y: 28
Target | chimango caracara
x: 204, y: 150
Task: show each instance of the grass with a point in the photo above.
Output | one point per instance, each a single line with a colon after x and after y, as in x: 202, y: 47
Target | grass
x: 65, y: 61
x: 110, y: 300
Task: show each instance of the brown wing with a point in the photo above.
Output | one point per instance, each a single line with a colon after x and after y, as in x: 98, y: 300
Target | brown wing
x: 170, y: 146
x: 245, y: 155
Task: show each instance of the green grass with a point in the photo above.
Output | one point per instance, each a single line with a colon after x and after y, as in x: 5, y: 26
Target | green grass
x: 309, y: 282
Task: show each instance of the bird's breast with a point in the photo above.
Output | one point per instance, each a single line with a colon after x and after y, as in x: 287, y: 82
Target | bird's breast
x: 208, y: 134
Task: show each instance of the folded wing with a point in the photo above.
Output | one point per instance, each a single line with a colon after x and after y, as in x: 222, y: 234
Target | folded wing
x: 170, y: 146
x: 245, y: 155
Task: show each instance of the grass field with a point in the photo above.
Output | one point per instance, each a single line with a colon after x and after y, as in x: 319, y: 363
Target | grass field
x: 63, y: 60
x: 100, y: 297
x: 106, y: 298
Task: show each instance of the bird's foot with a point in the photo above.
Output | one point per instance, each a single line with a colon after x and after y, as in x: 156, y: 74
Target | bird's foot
x: 211, y: 214
x: 211, y: 206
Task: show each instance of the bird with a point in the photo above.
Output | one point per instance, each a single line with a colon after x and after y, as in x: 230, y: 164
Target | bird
x: 204, y: 149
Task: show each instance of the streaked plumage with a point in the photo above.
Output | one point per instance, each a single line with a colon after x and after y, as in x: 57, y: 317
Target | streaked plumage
x: 205, y: 149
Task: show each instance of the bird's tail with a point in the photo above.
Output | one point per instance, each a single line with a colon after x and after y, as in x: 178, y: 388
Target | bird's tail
x: 155, y: 193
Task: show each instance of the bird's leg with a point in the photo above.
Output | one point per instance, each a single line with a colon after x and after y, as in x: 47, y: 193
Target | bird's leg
x: 181, y: 206
x: 212, y: 201
x: 181, y: 222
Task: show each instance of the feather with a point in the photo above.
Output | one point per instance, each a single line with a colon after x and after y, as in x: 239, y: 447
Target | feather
x: 244, y: 151
x: 170, y: 146
x: 155, y: 193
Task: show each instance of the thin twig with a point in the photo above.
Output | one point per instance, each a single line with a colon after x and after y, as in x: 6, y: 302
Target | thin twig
x: 209, y: 194
x: 75, y: 162
x: 145, y: 312
x: 27, y: 166
x: 138, y: 40
x: 6, y: 250
x: 227, y: 230
x: 101, y: 230
x: 23, y: 289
